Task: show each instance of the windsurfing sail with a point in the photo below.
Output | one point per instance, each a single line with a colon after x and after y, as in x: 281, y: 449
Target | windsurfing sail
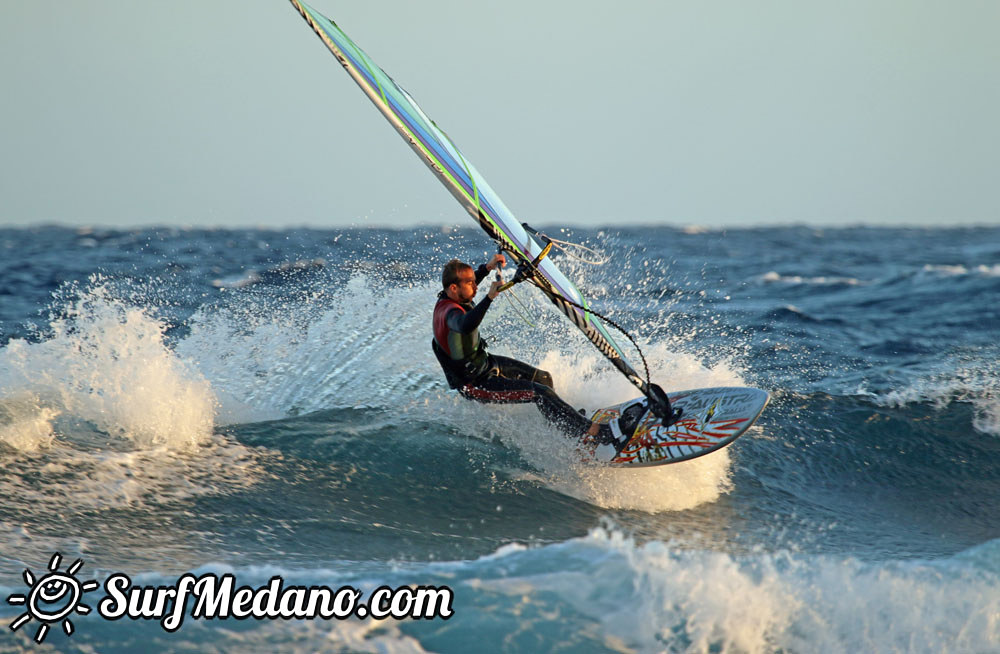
x: 441, y: 155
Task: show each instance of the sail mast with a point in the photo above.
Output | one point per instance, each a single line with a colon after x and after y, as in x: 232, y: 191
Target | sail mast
x: 465, y: 183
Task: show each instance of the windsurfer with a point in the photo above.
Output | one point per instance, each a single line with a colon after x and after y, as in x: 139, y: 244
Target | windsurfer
x: 485, y: 377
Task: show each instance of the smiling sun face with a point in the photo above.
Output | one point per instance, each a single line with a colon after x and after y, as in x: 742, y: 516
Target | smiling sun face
x: 53, y: 598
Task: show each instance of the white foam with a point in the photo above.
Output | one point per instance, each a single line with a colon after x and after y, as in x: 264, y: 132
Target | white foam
x: 774, y: 277
x: 363, y: 348
x: 587, y: 381
x: 106, y: 363
x: 367, y: 345
x: 25, y: 422
x: 959, y: 270
x: 319, y: 636
x: 946, y: 270
x: 665, y: 597
x: 987, y: 415
x: 977, y: 385
x: 67, y: 479
x: 584, y: 378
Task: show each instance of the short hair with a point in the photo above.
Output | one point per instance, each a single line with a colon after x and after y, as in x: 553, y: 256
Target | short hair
x: 449, y: 275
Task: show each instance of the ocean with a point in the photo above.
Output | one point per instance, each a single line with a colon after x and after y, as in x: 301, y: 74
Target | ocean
x: 264, y: 403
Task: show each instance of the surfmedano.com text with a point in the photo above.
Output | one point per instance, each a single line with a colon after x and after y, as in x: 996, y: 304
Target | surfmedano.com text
x: 215, y: 597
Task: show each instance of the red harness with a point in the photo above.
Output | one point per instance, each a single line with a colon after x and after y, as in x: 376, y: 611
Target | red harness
x: 441, y: 311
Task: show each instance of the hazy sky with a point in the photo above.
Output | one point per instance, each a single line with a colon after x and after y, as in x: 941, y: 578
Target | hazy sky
x: 711, y: 112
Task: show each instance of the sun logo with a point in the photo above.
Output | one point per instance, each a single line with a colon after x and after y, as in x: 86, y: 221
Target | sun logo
x: 53, y: 598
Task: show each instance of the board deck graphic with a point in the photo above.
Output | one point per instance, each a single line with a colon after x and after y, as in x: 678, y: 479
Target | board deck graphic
x: 712, y: 419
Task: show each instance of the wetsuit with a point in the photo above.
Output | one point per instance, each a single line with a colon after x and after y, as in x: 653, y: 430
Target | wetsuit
x: 484, y: 377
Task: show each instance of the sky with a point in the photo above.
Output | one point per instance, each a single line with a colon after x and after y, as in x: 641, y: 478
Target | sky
x: 721, y: 113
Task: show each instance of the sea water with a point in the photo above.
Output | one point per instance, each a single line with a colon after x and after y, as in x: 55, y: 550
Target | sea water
x: 264, y: 403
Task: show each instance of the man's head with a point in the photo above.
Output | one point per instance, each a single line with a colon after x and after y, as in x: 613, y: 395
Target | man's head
x: 459, y: 281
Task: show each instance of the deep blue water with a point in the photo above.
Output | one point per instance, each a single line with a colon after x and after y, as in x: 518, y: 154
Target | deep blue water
x: 266, y: 403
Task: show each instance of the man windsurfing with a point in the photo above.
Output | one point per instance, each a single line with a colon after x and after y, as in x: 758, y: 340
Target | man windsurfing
x: 484, y: 377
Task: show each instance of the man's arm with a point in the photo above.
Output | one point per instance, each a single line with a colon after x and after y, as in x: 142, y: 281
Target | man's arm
x: 469, y: 320
x: 464, y: 323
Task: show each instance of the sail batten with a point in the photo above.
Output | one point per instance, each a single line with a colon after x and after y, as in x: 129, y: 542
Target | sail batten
x: 464, y: 182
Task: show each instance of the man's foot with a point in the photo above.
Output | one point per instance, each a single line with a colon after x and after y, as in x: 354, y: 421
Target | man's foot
x: 613, y: 436
x: 609, y: 445
x: 601, y: 432
x: 624, y: 426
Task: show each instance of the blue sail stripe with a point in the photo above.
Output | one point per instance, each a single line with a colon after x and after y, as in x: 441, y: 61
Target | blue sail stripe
x: 440, y: 151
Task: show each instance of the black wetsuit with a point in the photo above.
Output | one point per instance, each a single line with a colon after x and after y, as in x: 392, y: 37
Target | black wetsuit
x: 484, y: 377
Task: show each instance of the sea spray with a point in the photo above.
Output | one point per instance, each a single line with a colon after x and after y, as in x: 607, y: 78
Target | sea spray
x: 585, y: 380
x: 106, y: 362
x: 25, y: 422
x: 849, y: 525
x: 364, y: 345
x: 672, y: 597
x: 954, y: 381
